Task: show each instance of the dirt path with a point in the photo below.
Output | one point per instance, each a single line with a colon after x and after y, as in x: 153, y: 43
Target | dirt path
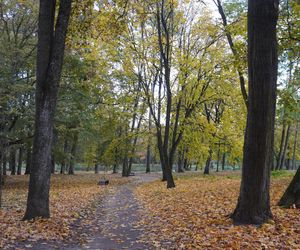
x: 117, y: 220
x: 113, y: 226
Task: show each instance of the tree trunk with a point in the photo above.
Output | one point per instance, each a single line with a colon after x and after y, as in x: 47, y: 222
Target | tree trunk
x: 292, y: 194
x: 207, y: 164
x: 223, y: 161
x: 96, y: 168
x: 125, y: 167
x: 52, y: 163
x: 169, y: 175
x: 1, y: 177
x: 218, y: 160
x: 286, y: 142
x: 294, y: 148
x: 50, y: 53
x: 73, y: 154
x: 28, y: 160
x: 62, y: 168
x: 115, y: 169
x: 253, y: 205
x: 20, y: 160
x: 180, y: 162
x: 4, y: 164
x: 148, y: 158
x: 12, y: 162
x: 281, y: 147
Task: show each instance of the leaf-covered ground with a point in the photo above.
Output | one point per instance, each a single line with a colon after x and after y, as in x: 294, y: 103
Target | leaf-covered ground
x: 70, y: 199
x: 194, y: 216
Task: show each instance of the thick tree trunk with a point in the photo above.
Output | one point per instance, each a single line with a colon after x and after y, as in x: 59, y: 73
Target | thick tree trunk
x: 12, y: 162
x: 253, y: 205
x: 292, y: 194
x: 169, y: 175
x: 20, y: 161
x: 50, y: 53
x: 28, y: 160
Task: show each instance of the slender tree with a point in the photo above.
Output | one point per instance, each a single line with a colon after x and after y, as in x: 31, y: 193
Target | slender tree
x: 253, y: 205
x: 50, y: 53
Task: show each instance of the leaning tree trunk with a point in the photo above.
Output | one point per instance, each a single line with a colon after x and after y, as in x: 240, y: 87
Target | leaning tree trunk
x: 253, y: 205
x: 50, y: 53
x: 281, y: 147
x: 292, y: 194
x: 286, y: 142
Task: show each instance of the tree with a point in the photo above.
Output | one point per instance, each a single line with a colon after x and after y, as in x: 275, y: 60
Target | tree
x: 292, y: 194
x: 253, y: 205
x: 50, y: 52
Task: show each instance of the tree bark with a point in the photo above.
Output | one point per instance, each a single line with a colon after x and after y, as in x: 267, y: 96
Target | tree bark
x: 218, y: 160
x: 115, y: 169
x: 96, y: 168
x: 28, y: 160
x: 281, y: 147
x: 73, y: 154
x: 1, y: 176
x: 223, y: 161
x: 180, y: 161
x: 4, y: 164
x: 207, y: 164
x: 292, y: 194
x: 253, y: 205
x: 20, y: 161
x: 12, y: 162
x: 294, y: 148
x: 286, y: 142
x: 50, y: 53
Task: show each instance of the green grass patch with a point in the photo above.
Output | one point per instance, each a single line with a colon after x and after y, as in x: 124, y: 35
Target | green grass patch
x: 282, y: 173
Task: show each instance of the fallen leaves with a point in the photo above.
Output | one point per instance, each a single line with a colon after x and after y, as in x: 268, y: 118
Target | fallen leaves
x: 194, y: 215
x: 70, y: 199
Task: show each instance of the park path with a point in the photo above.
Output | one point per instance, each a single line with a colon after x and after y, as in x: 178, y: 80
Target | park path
x: 116, y: 222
